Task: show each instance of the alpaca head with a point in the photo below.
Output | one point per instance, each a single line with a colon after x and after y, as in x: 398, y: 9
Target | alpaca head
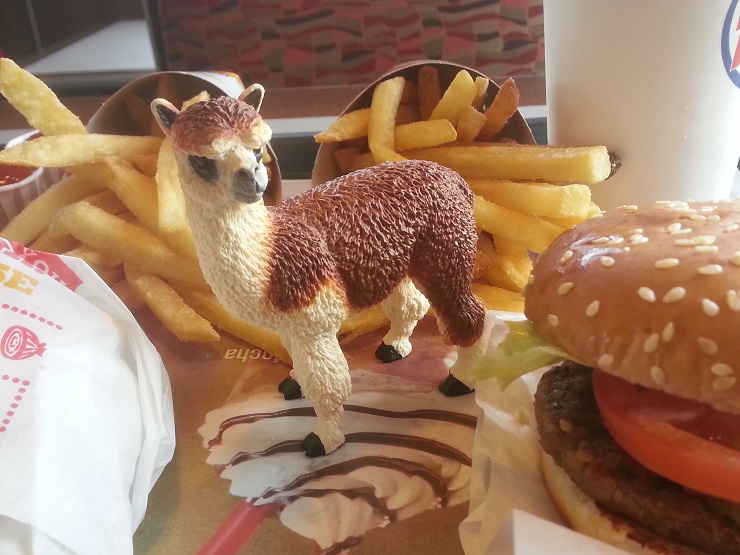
x: 219, y: 145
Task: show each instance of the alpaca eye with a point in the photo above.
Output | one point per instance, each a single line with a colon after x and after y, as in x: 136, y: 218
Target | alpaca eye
x: 204, y: 167
x: 258, y: 154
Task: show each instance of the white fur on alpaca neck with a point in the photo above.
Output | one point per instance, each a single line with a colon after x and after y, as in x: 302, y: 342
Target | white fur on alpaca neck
x: 233, y: 245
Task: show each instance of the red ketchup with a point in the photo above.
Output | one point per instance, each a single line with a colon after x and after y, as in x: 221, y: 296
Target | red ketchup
x: 13, y: 174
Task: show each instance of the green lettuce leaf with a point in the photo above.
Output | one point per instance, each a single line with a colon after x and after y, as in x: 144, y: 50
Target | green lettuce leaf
x: 522, y: 351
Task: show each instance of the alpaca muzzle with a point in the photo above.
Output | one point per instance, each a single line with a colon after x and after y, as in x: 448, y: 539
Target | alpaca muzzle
x: 248, y: 187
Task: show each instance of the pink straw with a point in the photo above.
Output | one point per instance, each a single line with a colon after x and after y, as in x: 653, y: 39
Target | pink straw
x: 238, y: 527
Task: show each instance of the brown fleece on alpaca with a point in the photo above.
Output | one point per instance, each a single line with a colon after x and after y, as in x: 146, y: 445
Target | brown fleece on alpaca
x: 369, y: 230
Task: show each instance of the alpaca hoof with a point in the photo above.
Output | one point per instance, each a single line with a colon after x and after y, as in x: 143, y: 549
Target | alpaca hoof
x: 387, y: 353
x: 452, y: 387
x: 290, y: 389
x: 312, y: 446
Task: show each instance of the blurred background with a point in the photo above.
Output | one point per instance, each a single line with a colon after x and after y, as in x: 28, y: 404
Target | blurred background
x: 95, y: 46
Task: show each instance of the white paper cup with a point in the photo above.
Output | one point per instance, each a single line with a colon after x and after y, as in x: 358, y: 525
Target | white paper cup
x: 15, y: 196
x: 653, y: 80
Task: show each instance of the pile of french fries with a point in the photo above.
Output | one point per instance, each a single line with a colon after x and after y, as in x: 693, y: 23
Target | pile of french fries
x: 121, y: 209
x: 525, y: 195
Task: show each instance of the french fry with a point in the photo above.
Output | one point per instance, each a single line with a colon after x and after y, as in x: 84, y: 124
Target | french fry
x: 481, y: 87
x: 136, y: 190
x: 206, y: 304
x: 35, y: 217
x: 537, y: 199
x: 381, y: 127
x: 202, y: 96
x: 429, y: 90
x: 495, y: 298
x: 61, y: 151
x: 94, y: 258
x: 56, y: 244
x: 470, y: 124
x: 422, y: 134
x: 184, y: 322
x: 108, y: 201
x: 527, y: 231
x: 115, y: 236
x: 36, y: 102
x: 351, y: 125
x: 362, y: 323
x: 510, y: 264
x: 456, y: 98
x: 172, y: 217
x: 146, y: 163
x: 585, y: 165
x: 504, y: 105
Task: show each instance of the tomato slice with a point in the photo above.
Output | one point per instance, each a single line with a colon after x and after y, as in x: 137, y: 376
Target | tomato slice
x: 687, y: 442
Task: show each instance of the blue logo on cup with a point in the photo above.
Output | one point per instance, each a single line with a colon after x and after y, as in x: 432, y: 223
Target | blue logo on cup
x: 731, y: 42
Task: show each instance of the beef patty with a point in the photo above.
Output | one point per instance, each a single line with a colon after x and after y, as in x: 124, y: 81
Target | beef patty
x: 573, y: 433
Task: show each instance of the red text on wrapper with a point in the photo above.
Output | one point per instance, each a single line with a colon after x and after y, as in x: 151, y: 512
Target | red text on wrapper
x: 42, y: 262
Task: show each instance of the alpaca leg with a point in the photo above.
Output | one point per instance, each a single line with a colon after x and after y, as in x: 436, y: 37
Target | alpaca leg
x: 460, y: 380
x: 405, y: 306
x: 323, y: 374
x: 289, y: 387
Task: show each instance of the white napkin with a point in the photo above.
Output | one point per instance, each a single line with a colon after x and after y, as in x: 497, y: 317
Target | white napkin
x: 511, y: 512
x: 86, y: 419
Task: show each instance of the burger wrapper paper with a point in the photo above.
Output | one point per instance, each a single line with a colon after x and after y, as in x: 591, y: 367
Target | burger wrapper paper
x: 511, y: 512
x: 86, y: 419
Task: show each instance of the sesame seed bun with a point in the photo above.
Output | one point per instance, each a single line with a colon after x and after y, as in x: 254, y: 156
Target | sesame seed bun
x: 649, y: 294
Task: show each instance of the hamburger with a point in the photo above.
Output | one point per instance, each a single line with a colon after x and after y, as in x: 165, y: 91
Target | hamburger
x: 640, y: 425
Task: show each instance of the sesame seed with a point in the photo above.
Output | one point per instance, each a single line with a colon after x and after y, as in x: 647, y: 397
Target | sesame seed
x: 530, y: 281
x: 721, y: 369
x: 723, y: 383
x: 567, y: 255
x: 592, y: 308
x: 707, y: 346
x: 668, y: 332
x: 708, y: 208
x: 683, y: 231
x: 686, y: 242
x: 713, y: 217
x: 615, y: 241
x: 605, y: 360
x: 638, y: 239
x: 657, y: 374
x: 553, y: 320
x: 706, y: 248
x: 710, y: 269
x: 674, y: 294
x: 599, y: 240
x: 706, y: 239
x: 607, y: 261
x: 709, y: 307
x: 735, y: 258
x: 666, y: 263
x: 651, y: 343
x: 565, y: 425
x: 697, y: 217
x: 637, y: 230
x: 563, y: 288
x: 733, y: 300
x: 674, y: 227
x: 646, y: 294
x: 630, y: 208
x: 732, y: 227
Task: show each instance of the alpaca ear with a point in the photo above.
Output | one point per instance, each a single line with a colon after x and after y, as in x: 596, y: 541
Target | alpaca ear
x: 164, y: 114
x: 253, y: 95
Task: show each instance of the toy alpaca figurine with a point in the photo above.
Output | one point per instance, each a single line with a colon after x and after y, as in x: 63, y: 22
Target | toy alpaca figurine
x: 380, y: 235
